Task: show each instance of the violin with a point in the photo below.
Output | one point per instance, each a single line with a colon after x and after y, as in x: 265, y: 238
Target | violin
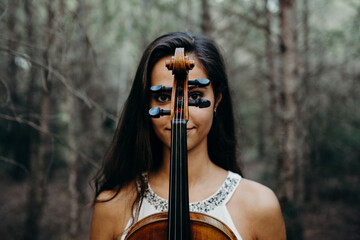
x: 179, y: 223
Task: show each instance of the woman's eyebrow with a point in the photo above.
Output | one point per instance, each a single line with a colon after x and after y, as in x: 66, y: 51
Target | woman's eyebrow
x: 196, y: 87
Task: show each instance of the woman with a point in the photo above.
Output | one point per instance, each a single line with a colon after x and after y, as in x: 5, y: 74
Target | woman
x: 133, y: 182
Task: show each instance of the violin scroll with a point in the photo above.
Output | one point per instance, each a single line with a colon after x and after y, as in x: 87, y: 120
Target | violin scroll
x: 179, y: 63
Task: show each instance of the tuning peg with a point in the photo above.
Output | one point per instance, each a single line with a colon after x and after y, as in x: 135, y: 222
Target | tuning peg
x: 201, y: 103
x: 200, y: 82
x: 157, y: 112
x: 159, y: 88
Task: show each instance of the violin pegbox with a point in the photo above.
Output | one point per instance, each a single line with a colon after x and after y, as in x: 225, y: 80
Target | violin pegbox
x: 180, y: 66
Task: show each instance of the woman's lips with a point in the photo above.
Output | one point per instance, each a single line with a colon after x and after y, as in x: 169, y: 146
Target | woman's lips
x: 187, y: 129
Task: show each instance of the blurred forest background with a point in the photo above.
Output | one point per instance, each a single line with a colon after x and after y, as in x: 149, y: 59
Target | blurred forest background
x: 67, y: 66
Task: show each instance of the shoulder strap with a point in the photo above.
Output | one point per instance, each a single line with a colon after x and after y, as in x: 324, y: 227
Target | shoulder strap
x: 231, y: 185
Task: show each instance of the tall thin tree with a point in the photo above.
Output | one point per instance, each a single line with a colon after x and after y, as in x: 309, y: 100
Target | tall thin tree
x: 39, y: 165
x: 290, y: 83
x: 288, y: 160
x: 274, y: 88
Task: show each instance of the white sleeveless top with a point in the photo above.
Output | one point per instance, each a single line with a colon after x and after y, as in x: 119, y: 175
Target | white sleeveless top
x: 215, y: 205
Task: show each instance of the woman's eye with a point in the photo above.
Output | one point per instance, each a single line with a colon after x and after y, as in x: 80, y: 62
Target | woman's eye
x: 162, y: 98
x: 195, y: 96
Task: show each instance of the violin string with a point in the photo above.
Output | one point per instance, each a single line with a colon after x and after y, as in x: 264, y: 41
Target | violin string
x: 176, y: 157
x: 181, y: 140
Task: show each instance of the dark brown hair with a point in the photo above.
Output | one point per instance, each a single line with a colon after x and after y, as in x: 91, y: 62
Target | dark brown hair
x: 135, y: 148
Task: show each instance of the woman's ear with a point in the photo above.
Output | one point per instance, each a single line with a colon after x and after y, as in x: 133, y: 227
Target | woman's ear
x: 217, y: 101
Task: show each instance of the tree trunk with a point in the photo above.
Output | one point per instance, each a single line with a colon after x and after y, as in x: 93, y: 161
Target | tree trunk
x: 38, y: 166
x: 35, y: 196
x: 305, y: 157
x: 274, y: 88
x: 205, y: 18
x: 38, y: 176
x: 71, y: 156
x: 288, y: 163
x: 290, y: 82
x: 72, y: 166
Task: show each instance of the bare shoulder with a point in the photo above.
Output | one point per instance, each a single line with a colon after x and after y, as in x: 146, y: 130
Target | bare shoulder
x: 256, y: 194
x: 260, y: 208
x: 111, y: 213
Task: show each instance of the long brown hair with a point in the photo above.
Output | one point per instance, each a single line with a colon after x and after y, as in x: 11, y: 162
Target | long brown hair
x: 135, y: 148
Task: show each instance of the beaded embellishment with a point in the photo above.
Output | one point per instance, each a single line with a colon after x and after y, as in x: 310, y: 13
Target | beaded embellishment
x: 209, y: 204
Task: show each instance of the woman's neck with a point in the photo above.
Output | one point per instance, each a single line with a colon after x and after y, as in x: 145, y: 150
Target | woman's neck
x: 200, y: 167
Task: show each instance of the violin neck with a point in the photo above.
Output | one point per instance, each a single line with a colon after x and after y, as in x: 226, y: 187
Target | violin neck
x: 179, y: 218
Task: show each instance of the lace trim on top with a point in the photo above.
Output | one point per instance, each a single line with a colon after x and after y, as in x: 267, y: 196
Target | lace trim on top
x: 209, y: 204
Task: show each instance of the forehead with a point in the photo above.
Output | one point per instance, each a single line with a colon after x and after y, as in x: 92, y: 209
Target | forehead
x: 160, y: 75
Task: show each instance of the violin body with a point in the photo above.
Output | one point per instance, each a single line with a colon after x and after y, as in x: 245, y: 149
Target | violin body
x: 202, y: 226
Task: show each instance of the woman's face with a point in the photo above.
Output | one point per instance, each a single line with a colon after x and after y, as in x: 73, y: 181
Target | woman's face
x: 200, y: 119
